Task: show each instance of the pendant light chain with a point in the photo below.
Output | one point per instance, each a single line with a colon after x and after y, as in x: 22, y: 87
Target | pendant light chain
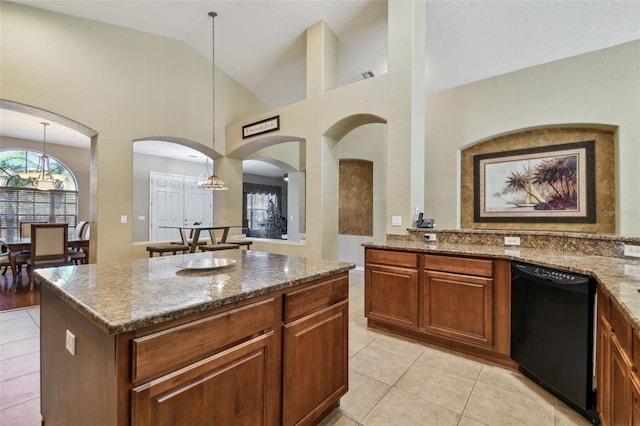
x: 213, y: 73
x: 213, y: 182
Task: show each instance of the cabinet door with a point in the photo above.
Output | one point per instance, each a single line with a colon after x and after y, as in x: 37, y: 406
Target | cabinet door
x: 231, y: 387
x: 635, y: 400
x: 458, y: 307
x: 391, y: 295
x: 315, y: 368
x: 620, y: 385
x: 603, y: 368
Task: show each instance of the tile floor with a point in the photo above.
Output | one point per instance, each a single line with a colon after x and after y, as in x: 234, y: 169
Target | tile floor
x: 392, y: 381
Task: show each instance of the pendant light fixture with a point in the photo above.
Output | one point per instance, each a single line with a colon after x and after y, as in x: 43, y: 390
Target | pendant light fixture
x: 43, y: 179
x: 207, y: 180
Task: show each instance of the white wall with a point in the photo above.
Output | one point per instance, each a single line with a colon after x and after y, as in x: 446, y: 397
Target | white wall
x: 602, y: 87
x: 123, y: 84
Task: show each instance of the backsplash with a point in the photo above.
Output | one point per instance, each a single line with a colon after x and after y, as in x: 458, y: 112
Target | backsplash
x: 608, y: 245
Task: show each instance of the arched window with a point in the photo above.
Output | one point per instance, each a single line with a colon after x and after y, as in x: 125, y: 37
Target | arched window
x: 21, y: 201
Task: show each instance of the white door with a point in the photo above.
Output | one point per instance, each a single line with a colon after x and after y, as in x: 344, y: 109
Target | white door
x: 198, y: 203
x: 176, y: 201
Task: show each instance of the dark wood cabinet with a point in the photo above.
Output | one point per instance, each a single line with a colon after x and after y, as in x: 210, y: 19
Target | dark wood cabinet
x: 620, y: 390
x: 603, y: 359
x: 315, y: 372
x: 618, y: 358
x: 458, y: 307
x: 392, y: 295
x: 231, y: 387
x: 456, y: 302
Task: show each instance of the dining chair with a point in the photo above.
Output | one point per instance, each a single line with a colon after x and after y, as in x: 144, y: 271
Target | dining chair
x: 25, y: 228
x: 49, y: 247
x: 77, y: 255
x: 21, y: 259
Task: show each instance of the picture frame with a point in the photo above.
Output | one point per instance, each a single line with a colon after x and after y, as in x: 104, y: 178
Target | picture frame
x: 259, y: 127
x: 553, y: 183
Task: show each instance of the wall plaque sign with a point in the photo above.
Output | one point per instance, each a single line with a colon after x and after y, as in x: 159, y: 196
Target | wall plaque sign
x: 264, y: 126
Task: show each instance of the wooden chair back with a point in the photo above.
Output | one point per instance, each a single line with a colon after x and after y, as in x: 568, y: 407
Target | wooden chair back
x: 49, y: 245
x: 25, y: 228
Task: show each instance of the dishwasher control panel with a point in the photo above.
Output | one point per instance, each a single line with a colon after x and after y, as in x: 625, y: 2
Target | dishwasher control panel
x: 558, y: 277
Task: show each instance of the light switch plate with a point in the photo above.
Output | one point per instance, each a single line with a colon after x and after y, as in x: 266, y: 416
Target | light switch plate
x: 70, y: 343
x: 396, y: 220
x: 123, y: 218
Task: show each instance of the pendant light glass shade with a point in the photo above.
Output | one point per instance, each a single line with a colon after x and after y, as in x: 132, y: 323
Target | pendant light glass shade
x: 206, y: 180
x: 212, y: 182
x: 43, y: 179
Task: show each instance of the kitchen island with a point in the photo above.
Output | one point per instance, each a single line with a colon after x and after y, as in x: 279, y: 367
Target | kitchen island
x: 262, y: 340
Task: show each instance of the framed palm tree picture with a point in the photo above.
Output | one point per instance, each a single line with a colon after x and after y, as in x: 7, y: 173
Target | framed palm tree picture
x: 553, y: 183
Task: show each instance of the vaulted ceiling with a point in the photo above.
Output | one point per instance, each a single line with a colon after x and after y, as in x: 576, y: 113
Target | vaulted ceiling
x: 261, y: 43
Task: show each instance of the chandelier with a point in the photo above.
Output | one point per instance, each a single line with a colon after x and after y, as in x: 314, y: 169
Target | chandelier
x: 42, y: 178
x: 206, y: 180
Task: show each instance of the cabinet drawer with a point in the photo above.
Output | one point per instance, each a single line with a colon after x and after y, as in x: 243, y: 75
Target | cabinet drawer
x: 621, y: 329
x: 459, y: 265
x: 178, y: 346
x: 392, y: 258
x: 300, y: 302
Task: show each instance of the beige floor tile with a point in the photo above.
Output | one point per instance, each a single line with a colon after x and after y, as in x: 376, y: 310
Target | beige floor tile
x: 354, y: 348
x: 379, y: 364
x: 34, y: 313
x: 465, y: 421
x: 21, y: 333
x: 496, y: 406
x: 435, y: 385
x: 336, y: 418
x: 20, y: 389
x: 566, y: 416
x: 452, y: 363
x: 10, y: 324
x: 364, y: 393
x: 24, y: 414
x: 398, y: 346
x: 512, y: 381
x: 401, y: 409
x: 19, y: 366
x: 13, y: 314
x: 361, y: 334
x: 21, y: 347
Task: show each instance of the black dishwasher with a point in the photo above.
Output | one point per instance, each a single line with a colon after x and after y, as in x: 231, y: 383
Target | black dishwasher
x: 552, y: 332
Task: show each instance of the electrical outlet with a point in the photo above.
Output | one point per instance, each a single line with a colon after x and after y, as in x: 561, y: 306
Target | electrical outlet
x: 511, y: 241
x: 396, y: 220
x: 430, y: 237
x: 631, y: 251
x: 70, y: 343
x: 632, y: 270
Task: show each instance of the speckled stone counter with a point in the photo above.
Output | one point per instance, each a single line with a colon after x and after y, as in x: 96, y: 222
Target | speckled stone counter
x: 129, y: 295
x: 620, y: 277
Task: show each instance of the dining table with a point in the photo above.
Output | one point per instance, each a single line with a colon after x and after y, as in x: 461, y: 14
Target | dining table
x: 192, y: 232
x: 16, y: 245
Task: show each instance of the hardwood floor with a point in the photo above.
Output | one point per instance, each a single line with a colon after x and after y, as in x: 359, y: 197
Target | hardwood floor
x: 22, y: 296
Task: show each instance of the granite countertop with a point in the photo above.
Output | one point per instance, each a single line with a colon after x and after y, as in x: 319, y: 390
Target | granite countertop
x: 618, y: 276
x: 132, y: 294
